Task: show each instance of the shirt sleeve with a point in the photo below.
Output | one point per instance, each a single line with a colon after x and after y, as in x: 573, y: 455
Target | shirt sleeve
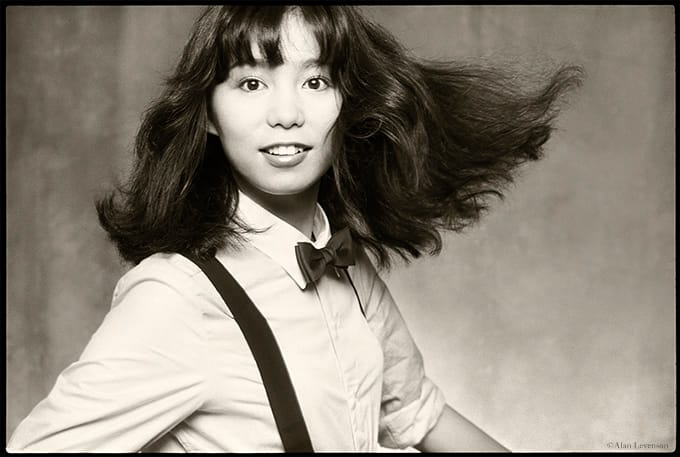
x: 138, y: 377
x: 411, y: 403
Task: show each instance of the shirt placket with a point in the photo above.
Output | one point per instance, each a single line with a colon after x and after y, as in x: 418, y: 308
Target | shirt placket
x: 336, y: 309
x: 345, y: 365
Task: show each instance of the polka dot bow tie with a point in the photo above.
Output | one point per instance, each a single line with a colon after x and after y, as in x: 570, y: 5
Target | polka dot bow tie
x: 338, y: 252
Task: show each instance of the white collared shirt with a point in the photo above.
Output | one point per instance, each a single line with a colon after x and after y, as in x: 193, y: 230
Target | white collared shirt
x: 169, y: 369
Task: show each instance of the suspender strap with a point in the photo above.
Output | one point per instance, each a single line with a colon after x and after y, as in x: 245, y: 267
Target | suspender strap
x: 260, y: 339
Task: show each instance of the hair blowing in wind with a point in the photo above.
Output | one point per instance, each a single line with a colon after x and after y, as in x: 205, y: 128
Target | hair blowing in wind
x: 422, y: 145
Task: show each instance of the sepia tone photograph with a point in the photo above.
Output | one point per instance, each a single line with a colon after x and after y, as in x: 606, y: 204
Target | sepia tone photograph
x: 314, y: 228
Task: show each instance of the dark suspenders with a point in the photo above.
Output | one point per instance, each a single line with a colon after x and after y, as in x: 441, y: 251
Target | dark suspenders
x: 260, y: 339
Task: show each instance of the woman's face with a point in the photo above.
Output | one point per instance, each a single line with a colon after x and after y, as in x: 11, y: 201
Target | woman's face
x: 275, y: 122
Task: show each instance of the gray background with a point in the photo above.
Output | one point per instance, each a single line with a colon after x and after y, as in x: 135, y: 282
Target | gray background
x: 551, y: 324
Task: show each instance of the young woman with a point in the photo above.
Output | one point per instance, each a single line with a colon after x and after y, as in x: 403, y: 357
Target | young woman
x: 285, y: 129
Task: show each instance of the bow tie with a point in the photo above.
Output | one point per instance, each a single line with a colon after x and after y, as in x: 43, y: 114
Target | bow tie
x: 338, y: 252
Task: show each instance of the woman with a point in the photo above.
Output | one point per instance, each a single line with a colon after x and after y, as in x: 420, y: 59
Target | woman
x: 283, y: 130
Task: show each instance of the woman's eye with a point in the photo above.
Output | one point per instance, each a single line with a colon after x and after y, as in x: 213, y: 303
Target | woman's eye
x: 316, y: 83
x: 251, y: 85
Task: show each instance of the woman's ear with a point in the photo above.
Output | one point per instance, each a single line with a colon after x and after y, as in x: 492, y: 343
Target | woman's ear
x: 209, y: 123
x: 211, y: 128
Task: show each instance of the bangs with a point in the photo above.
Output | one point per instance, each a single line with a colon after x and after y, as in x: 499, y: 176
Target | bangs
x: 245, y: 26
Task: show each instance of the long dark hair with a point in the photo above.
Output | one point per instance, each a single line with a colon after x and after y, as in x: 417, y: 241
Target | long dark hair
x: 421, y: 144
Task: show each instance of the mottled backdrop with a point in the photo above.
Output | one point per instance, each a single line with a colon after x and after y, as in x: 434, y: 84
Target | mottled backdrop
x: 551, y: 323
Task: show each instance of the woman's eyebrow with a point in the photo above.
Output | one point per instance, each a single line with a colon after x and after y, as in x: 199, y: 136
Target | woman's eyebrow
x: 263, y: 63
x: 308, y: 63
x: 256, y: 63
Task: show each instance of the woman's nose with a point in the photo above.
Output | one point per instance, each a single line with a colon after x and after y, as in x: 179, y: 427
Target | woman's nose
x: 285, y: 109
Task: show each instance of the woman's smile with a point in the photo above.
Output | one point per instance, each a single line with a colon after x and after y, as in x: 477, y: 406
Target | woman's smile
x: 285, y: 156
x: 285, y: 149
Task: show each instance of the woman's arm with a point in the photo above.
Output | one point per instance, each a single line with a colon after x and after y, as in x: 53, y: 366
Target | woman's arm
x: 138, y: 377
x: 454, y: 433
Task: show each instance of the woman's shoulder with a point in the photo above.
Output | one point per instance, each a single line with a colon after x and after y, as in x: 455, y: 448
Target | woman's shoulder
x: 170, y: 271
x: 162, y: 266
x: 168, y: 280
x: 155, y: 307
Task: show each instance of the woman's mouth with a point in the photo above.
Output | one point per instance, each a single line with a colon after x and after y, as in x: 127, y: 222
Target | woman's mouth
x: 285, y: 155
x: 285, y: 149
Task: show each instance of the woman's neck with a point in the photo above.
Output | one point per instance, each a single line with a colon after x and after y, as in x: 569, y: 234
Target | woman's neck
x: 297, y: 210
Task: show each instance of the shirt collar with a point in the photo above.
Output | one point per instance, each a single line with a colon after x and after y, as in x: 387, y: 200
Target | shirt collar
x: 277, y: 239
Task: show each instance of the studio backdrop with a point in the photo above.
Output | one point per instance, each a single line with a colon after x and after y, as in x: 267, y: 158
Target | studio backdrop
x: 551, y: 323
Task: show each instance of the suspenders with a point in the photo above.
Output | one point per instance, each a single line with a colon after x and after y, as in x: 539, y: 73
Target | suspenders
x: 260, y: 339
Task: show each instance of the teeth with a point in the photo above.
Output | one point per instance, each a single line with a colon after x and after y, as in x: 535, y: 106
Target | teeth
x: 284, y: 150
